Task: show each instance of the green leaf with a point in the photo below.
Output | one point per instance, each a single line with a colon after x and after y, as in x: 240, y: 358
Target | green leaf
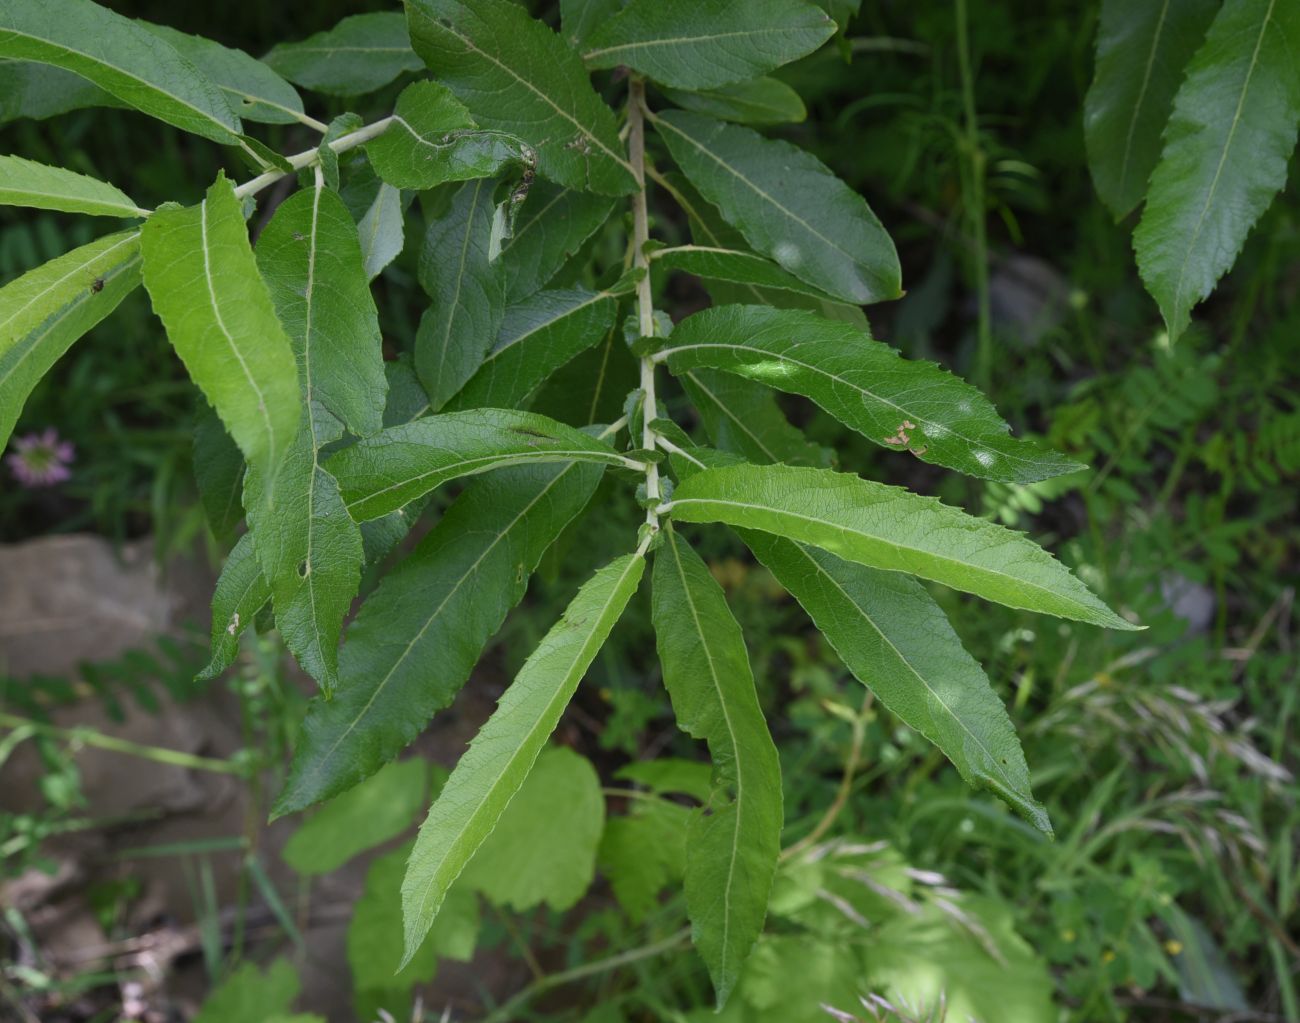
x: 434, y: 140
x: 241, y: 592
x: 380, y: 808
x: 120, y: 57
x: 731, y: 852
x: 895, y: 402
x: 759, y: 101
x: 893, y: 529
x: 591, y: 387
x: 788, y: 205
x: 253, y: 90
x: 382, y: 231
x: 643, y: 852
x: 417, y: 637
x: 458, y: 274
x: 501, y: 756
x: 382, y: 473
x: 741, y: 415
x: 26, y: 183
x: 249, y: 996
x: 557, y: 816
x: 203, y: 280
x: 695, y: 45
x: 552, y: 225
x: 517, y: 76
x: 538, y: 336
x: 360, y: 54
x: 895, y: 639
x: 1142, y: 49
x: 735, y: 267
x: 47, y: 309
x: 219, y: 472
x: 1231, y: 133
x: 693, y: 778
x: 30, y: 89
x: 580, y: 18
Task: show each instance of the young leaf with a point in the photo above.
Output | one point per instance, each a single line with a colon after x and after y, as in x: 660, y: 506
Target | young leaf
x: 500, y: 757
x: 741, y: 415
x: 538, y: 336
x: 241, y: 592
x: 253, y: 90
x: 693, y: 45
x: 895, y: 639
x: 1142, y: 49
x: 551, y: 226
x: 205, y: 287
x: 417, y: 637
x: 517, y: 76
x: 733, y: 266
x: 382, y: 231
x: 893, y: 529
x: 895, y: 402
x: 788, y: 205
x: 1226, y: 149
x: 434, y: 140
x: 759, y: 101
x: 47, y: 309
x: 465, y: 285
x: 121, y: 58
x: 360, y: 54
x: 731, y: 852
x: 26, y: 183
x: 384, y: 472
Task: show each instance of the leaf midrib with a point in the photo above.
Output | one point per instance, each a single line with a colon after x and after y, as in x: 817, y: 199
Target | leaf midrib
x: 644, y: 44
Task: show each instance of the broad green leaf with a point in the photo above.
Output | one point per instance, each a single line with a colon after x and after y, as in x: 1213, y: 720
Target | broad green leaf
x: 434, y: 140
x: 417, y: 637
x: 538, y: 336
x: 557, y: 816
x: 692, y: 778
x: 1231, y: 133
x: 758, y: 101
x: 120, y: 57
x: 203, y: 280
x: 500, y: 757
x: 380, y: 808
x: 895, y: 402
x: 733, y: 266
x: 250, y: 996
x: 743, y: 416
x: 253, y: 90
x: 384, y: 472
x: 893, y: 529
x: 694, y: 45
x: 458, y: 274
x: 382, y: 231
x: 551, y: 226
x: 30, y: 89
x: 1143, y: 46
x: 732, y: 850
x: 895, y: 639
x: 47, y: 309
x: 219, y: 472
x: 579, y: 18
x: 26, y: 183
x: 788, y: 205
x: 517, y: 76
x: 241, y: 592
x: 644, y: 851
x: 360, y: 54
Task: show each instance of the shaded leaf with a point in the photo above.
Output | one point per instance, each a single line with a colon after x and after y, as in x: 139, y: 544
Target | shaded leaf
x: 360, y: 54
x: 241, y: 592
x: 382, y: 231
x: 219, y: 472
x: 743, y: 416
x: 250, y: 996
x: 758, y: 101
x: 30, y: 89
x: 644, y: 852
x: 550, y: 227
x: 736, y: 267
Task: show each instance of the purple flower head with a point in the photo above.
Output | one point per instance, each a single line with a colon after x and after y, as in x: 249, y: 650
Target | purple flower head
x: 41, y: 459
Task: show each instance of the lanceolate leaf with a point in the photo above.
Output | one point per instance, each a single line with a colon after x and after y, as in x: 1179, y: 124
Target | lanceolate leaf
x: 433, y: 140
x: 552, y: 225
x: 893, y: 529
x: 241, y: 592
x: 538, y: 336
x: 895, y: 639
x: 1143, y: 46
x: 895, y: 402
x: 736, y: 267
x: 419, y: 634
x: 47, y: 309
x: 732, y: 849
x: 498, y: 760
x: 25, y: 183
x: 1229, y: 138
x: 30, y: 89
x: 384, y: 472
x: 204, y: 283
x: 788, y: 205
x: 694, y: 45
x: 516, y: 75
x: 741, y: 415
x: 219, y: 472
x: 466, y: 289
x: 358, y: 55
x: 759, y: 101
x: 120, y: 57
x: 382, y: 231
